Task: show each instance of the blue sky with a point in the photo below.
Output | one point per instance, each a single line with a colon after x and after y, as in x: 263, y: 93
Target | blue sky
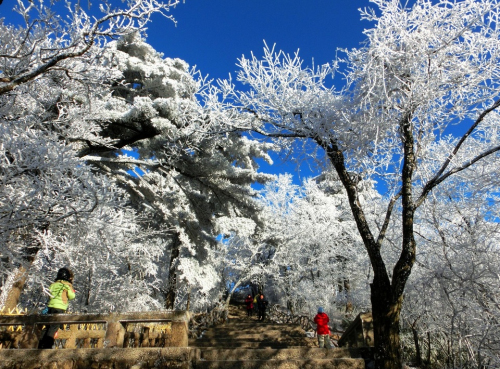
x: 213, y: 34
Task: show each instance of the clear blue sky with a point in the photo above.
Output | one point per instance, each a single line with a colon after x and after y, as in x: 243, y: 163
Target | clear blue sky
x: 213, y: 34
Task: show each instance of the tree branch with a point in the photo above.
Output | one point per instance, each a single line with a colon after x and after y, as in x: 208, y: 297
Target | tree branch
x: 151, y: 164
x: 388, y: 214
x: 42, y: 69
x: 436, y: 181
x: 437, y: 177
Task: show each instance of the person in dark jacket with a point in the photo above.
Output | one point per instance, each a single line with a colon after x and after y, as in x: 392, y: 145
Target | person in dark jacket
x: 61, y: 291
x: 321, y: 319
x: 261, y: 307
x: 249, y: 303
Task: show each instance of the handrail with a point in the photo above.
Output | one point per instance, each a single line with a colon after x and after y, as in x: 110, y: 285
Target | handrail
x: 113, y: 330
x: 280, y: 315
x: 76, y: 318
x: 202, y: 321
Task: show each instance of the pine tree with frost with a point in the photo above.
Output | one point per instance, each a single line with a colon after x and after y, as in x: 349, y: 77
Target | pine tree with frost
x: 122, y: 96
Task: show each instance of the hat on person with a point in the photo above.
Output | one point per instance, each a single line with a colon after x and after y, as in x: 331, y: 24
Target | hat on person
x: 320, y: 310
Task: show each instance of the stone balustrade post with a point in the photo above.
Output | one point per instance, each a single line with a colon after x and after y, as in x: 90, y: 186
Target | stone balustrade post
x: 71, y: 341
x: 178, y: 336
x: 115, y: 334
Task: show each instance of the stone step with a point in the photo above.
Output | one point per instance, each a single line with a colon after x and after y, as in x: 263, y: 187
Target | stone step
x: 248, y: 335
x: 254, y: 324
x: 283, y: 364
x: 168, y: 357
x: 234, y: 344
x: 245, y: 343
x: 254, y: 329
x: 260, y: 327
x: 278, y: 354
x: 251, y: 338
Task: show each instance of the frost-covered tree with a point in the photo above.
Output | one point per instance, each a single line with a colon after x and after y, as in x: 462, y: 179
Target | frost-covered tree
x: 452, y: 298
x: 45, y: 41
x: 43, y: 182
x: 119, y: 111
x: 43, y: 187
x: 421, y: 72
x: 188, y: 172
x: 124, y: 112
x: 318, y: 253
x: 243, y: 256
x: 113, y: 255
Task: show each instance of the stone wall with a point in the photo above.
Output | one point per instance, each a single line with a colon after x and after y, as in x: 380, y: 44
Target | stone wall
x: 115, y: 358
x: 359, y: 333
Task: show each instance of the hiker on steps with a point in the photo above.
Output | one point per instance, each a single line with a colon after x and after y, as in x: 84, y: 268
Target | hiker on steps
x: 249, y: 303
x: 61, y: 291
x: 321, y: 319
x: 261, y: 307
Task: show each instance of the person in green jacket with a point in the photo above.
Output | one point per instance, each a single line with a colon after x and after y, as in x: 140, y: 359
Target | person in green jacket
x: 61, y: 292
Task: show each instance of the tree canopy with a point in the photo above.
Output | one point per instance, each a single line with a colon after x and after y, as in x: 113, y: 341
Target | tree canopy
x: 139, y: 173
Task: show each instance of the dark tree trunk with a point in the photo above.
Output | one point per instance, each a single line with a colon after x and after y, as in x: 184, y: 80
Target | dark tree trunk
x: 386, y: 294
x: 428, y: 348
x: 387, y: 299
x: 386, y: 313
x: 418, y: 352
x: 172, y: 273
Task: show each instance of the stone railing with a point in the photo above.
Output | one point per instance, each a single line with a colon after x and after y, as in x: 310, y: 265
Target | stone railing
x: 359, y: 333
x: 134, y: 330
x: 202, y: 321
x: 282, y: 315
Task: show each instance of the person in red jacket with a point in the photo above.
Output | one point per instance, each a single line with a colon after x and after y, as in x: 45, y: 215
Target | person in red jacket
x: 249, y: 303
x: 322, y: 329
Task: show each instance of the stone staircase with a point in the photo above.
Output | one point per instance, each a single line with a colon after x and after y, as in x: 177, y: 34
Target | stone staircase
x: 245, y: 343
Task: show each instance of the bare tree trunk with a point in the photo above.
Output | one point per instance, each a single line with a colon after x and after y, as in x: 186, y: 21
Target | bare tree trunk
x: 172, y: 273
x: 386, y: 314
x: 418, y: 353
x: 14, y: 287
x: 428, y: 348
x: 387, y: 297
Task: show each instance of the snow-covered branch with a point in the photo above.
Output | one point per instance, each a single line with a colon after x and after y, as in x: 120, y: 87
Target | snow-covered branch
x: 46, y: 41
